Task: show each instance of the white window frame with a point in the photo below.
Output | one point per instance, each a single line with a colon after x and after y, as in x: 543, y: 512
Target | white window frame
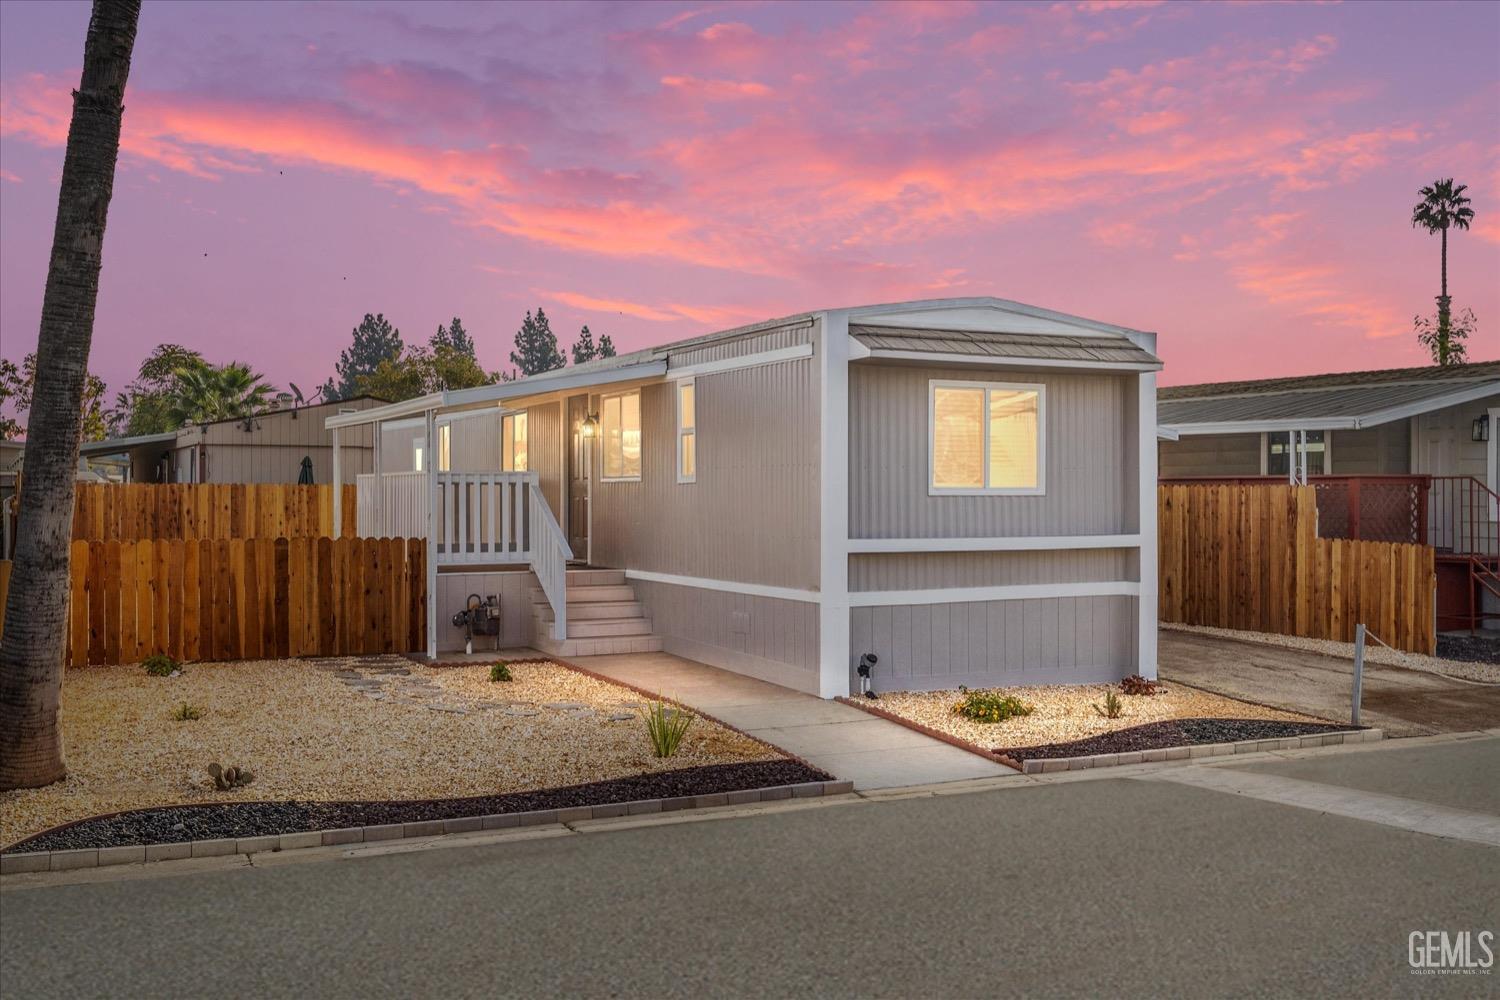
x: 1040, y: 489
x: 444, y: 448
x: 604, y: 436
x: 683, y: 432
x: 508, y: 433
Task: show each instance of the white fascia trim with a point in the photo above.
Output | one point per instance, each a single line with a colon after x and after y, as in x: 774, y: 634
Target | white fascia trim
x: 1009, y: 592
x: 993, y: 360
x: 793, y: 353
x: 1261, y: 426
x: 726, y: 586
x: 864, y: 313
x: 419, y: 405
x: 1165, y: 433
x: 1428, y: 405
x: 1147, y: 473
x: 1030, y: 543
x: 833, y: 504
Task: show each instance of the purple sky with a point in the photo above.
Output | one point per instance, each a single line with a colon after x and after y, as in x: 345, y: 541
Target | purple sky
x: 1237, y: 177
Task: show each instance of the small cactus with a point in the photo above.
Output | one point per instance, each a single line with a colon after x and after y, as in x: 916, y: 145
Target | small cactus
x: 226, y: 778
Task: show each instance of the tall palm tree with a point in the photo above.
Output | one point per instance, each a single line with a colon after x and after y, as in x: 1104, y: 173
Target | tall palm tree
x: 36, y: 610
x: 202, y: 393
x: 1443, y: 206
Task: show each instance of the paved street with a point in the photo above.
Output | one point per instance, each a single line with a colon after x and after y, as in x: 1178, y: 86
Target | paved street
x: 1156, y: 881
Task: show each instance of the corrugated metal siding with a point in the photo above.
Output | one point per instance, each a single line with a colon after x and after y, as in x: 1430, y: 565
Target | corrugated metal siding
x: 272, y: 450
x: 1381, y: 450
x: 474, y: 443
x: 1211, y: 455
x: 932, y: 570
x: 752, y: 516
x: 1058, y: 640
x: 514, y: 591
x: 763, y: 637
x: 1099, y: 347
x: 756, y: 343
x: 1089, y: 458
x: 544, y: 453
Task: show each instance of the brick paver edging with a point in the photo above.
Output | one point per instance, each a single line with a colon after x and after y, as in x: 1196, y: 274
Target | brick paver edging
x: 1197, y: 750
x: 98, y: 857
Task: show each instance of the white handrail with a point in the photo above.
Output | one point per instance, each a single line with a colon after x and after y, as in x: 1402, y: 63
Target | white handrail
x: 549, y: 559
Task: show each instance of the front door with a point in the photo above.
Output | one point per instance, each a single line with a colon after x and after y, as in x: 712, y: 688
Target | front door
x: 578, y: 477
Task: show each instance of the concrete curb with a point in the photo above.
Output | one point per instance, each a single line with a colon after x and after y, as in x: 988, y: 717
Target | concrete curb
x: 56, y: 861
x: 1201, y: 750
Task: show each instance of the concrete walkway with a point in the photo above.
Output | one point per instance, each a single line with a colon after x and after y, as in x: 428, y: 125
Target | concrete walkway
x: 1402, y: 702
x: 843, y: 741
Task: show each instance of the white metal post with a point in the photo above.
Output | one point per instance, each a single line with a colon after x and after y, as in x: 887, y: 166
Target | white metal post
x: 432, y: 551
x: 377, y: 500
x: 1146, y: 468
x: 338, y: 489
x: 1302, y: 449
x: 1359, y: 672
x: 833, y: 522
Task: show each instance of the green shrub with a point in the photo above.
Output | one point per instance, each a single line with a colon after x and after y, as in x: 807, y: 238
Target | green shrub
x: 500, y: 671
x: 1111, y: 706
x: 666, y: 725
x: 988, y: 706
x: 1135, y: 684
x: 186, y: 713
x: 160, y: 665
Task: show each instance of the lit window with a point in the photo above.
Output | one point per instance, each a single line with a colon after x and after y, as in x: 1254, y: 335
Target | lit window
x: 1278, y: 449
x: 513, y: 443
x: 620, y: 425
x: 445, y: 453
x: 687, y: 432
x: 416, y: 456
x: 985, y: 437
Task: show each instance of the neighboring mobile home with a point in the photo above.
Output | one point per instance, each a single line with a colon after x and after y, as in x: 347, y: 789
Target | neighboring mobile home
x: 964, y: 488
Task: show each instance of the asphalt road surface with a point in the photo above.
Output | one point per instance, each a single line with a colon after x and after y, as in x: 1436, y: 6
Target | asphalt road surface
x: 1121, y: 886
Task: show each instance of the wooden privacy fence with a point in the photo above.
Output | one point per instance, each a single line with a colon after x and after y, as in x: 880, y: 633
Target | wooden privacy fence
x: 245, y: 598
x: 1249, y: 557
x: 128, y: 512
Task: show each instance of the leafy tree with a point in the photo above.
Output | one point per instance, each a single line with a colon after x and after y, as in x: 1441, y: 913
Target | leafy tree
x: 17, y: 390
x: 143, y: 408
x: 438, y: 366
x: 375, y: 340
x: 204, y: 393
x: 454, y: 336
x: 606, y: 347
x: 1443, y: 206
x: 583, y: 347
x: 536, y: 346
x: 36, y: 608
x: 1450, y: 348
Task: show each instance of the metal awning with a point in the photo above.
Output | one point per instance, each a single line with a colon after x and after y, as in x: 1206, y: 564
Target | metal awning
x: 119, y: 446
x: 1345, y: 407
x: 1101, y: 350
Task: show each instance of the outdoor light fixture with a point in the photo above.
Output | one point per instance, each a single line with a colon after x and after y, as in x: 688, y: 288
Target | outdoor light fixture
x: 866, y: 665
x: 1481, y: 429
x: 590, y: 426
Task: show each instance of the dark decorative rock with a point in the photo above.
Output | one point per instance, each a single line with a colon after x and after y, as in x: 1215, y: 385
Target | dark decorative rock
x: 1175, y: 733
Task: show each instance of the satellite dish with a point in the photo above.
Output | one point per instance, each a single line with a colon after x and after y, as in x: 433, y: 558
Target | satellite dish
x: 297, y: 393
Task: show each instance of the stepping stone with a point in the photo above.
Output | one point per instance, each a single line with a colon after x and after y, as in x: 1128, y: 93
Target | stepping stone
x: 566, y: 706
x: 579, y: 713
x: 518, y: 711
x: 621, y: 716
x: 453, y: 709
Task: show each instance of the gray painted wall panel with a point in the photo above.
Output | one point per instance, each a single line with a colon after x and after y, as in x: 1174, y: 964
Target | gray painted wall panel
x: 514, y: 590
x: 544, y: 453
x: 929, y: 570
x: 1381, y: 450
x: 738, y: 347
x: 1059, y: 640
x: 1089, y: 441
x: 1211, y: 455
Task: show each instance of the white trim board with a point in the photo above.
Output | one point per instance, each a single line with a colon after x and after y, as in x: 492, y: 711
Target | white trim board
x: 1008, y: 592
x: 1010, y: 362
x: 726, y: 586
x: 1030, y: 543
x: 794, y: 353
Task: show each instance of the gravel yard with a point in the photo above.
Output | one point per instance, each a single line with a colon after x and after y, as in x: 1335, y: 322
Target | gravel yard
x: 1468, y: 670
x: 1066, y: 712
x: 357, y: 729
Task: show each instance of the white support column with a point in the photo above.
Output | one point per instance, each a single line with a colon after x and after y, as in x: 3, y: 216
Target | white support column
x: 338, y: 489
x: 377, y: 500
x: 1146, y: 469
x: 432, y: 553
x: 833, y: 524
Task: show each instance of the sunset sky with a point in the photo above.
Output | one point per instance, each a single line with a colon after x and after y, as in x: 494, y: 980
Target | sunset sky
x: 1237, y: 177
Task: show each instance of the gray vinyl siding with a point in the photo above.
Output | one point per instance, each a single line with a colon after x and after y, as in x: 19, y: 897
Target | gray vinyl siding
x: 1374, y: 451
x: 474, y: 443
x: 544, y: 454
x: 1090, y: 446
x: 792, y: 335
x: 773, y: 639
x: 1211, y: 455
x: 935, y: 570
x: 514, y: 590
x: 1055, y: 640
x: 1444, y: 443
x: 752, y: 515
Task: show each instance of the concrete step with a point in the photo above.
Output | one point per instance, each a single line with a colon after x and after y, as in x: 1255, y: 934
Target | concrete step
x: 599, y: 647
x: 590, y: 610
x: 589, y: 593
x: 595, y: 577
x: 606, y: 627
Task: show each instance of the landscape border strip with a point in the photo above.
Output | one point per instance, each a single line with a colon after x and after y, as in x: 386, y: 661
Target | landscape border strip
x: 99, y: 857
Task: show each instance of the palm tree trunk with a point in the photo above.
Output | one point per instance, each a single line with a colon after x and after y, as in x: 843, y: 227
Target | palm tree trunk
x: 1445, y: 263
x: 36, y: 609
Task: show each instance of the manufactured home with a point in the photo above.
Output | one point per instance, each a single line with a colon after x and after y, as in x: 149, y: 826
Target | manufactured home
x: 1406, y: 455
x: 962, y: 489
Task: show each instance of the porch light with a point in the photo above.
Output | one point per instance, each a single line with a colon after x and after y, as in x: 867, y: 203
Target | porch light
x: 1481, y: 429
x: 590, y: 426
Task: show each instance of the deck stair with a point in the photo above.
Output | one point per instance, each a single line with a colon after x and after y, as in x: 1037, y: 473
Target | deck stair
x: 603, y: 617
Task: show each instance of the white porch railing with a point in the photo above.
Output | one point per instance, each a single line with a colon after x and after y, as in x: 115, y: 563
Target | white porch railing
x: 403, y: 510
x: 549, y: 560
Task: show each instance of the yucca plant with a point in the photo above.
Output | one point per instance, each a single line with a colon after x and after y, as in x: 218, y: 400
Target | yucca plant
x: 186, y: 713
x: 666, y: 725
x: 1112, y: 706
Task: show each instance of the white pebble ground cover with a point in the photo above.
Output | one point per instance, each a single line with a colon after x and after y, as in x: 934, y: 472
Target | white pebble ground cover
x: 311, y: 732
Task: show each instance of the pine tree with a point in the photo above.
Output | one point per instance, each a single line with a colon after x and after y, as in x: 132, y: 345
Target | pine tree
x: 536, y: 346
x: 375, y: 340
x: 583, y: 347
x: 606, y: 347
x: 455, y: 337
